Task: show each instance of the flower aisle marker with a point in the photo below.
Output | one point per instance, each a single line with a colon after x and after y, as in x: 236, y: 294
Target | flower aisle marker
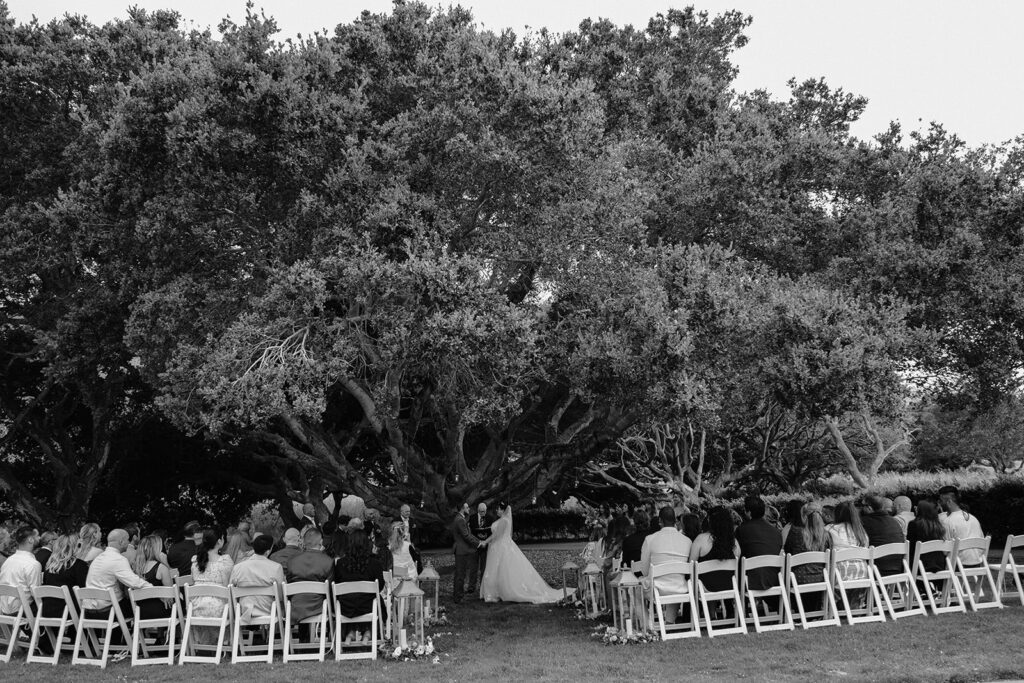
x: 438, y: 617
x: 610, y: 635
x: 413, y: 651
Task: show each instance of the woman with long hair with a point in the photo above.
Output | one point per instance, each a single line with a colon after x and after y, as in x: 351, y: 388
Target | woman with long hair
x: 147, y: 564
x: 210, y: 567
x: 238, y: 548
x: 594, y: 550
x: 618, y: 529
x: 90, y: 541
x: 402, y: 564
x: 809, y: 536
x: 717, y: 543
x: 64, y: 568
x: 848, y: 532
x: 358, y: 563
x: 927, y: 527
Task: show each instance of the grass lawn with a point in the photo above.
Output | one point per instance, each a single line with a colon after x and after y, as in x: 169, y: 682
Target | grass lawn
x: 525, y: 642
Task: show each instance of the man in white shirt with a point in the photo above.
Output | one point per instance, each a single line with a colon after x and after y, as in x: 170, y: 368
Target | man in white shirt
x: 258, y: 570
x: 903, y: 514
x: 21, y: 570
x: 110, y: 569
x: 661, y: 547
x: 960, y: 525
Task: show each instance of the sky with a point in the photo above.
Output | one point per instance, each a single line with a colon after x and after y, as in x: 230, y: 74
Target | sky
x: 956, y: 62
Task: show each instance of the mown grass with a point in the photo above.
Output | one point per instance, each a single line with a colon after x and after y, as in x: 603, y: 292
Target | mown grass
x: 525, y: 642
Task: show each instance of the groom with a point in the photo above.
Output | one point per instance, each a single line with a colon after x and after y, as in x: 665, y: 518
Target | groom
x: 465, y: 552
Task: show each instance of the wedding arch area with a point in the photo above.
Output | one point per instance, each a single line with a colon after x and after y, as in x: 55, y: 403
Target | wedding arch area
x: 416, y: 262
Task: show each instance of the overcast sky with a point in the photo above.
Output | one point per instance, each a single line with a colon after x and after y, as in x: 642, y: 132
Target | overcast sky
x: 955, y: 62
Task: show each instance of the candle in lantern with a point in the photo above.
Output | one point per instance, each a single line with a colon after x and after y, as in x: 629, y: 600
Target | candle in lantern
x: 629, y: 628
x: 402, y: 642
x: 426, y: 609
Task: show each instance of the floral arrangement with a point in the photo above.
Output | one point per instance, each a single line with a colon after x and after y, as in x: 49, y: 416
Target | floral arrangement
x: 438, y: 617
x: 610, y: 635
x: 413, y: 651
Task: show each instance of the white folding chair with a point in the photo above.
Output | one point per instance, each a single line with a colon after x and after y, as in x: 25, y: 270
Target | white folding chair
x: 372, y: 618
x: 1009, y: 569
x: 899, y: 591
x: 319, y: 623
x: 87, y: 627
x: 873, y: 609
x: 244, y: 616
x: 714, y: 625
x: 179, y: 594
x: 389, y: 588
x: 192, y: 651
x: 141, y: 651
x: 947, y: 575
x: 977, y: 580
x: 53, y: 628
x: 660, y: 600
x: 828, y: 615
x: 11, y: 635
x: 783, y: 619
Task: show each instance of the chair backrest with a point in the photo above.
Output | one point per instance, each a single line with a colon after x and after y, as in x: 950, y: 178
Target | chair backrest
x: 207, y: 590
x: 667, y: 568
x: 764, y: 562
x: 974, y: 544
x: 890, y: 549
x: 1015, y: 542
x: 106, y: 594
x: 11, y: 592
x: 181, y: 581
x: 942, y: 546
x: 50, y: 593
x: 151, y: 593
x: 708, y: 566
x: 307, y: 588
x: 269, y: 591
x: 848, y: 554
x: 354, y: 587
x: 810, y: 557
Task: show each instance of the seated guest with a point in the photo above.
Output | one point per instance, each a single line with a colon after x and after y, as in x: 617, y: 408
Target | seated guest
x: 90, y: 540
x: 211, y: 568
x: 180, y: 554
x: 882, y: 528
x: 402, y: 562
x: 147, y: 564
x: 848, y: 532
x: 42, y: 553
x: 594, y: 550
x: 960, y: 524
x: 358, y: 564
x: 312, y: 564
x: 292, y: 541
x: 690, y: 525
x: 717, y: 543
x: 618, y: 530
x: 258, y: 570
x: 63, y: 568
x: 809, y: 536
x: 110, y: 569
x: 238, y: 548
x: 633, y: 543
x: 927, y: 527
x: 21, y: 569
x: 5, y: 541
x: 134, y: 536
x: 757, y: 537
x: 903, y: 514
x: 667, y: 545
x: 793, y: 517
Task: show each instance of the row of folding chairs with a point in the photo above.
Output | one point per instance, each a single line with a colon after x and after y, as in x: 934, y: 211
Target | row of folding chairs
x: 179, y: 636
x: 865, y: 594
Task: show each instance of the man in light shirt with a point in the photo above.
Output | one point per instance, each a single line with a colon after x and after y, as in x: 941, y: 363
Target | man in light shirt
x: 21, y: 569
x: 664, y: 546
x: 258, y: 570
x: 110, y: 569
x: 903, y: 514
x: 960, y: 524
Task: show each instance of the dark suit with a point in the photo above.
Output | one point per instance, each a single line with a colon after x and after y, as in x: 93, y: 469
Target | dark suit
x: 465, y: 549
x: 758, y: 537
x: 632, y: 545
x: 311, y: 565
x: 180, y: 554
x: 481, y: 529
x: 882, y: 529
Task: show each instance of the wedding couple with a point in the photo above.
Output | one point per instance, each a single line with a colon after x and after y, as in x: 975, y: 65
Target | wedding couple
x: 508, y: 574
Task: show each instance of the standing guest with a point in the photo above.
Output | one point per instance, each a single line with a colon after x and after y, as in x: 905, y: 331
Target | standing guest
x: 245, y: 528
x: 21, y: 569
x: 411, y: 531
x: 147, y: 564
x: 926, y: 526
x: 238, y: 547
x: 793, y: 517
x: 668, y: 545
x: 90, y: 539
x: 292, y: 543
x: 465, y: 548
x: 903, y: 514
x: 63, y: 569
x: 179, y: 555
x: 212, y: 568
x: 882, y: 528
x: 110, y: 569
x: 960, y: 525
x: 258, y: 570
x: 757, y: 537
x: 46, y: 540
x: 403, y: 564
x: 809, y: 536
x: 134, y: 535
x: 358, y: 564
x: 634, y: 543
x: 848, y: 532
x: 312, y: 564
x: 308, y: 516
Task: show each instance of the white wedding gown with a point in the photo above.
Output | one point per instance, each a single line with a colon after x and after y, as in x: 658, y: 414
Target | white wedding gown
x: 509, y: 576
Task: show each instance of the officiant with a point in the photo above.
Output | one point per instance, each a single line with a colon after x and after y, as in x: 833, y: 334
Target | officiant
x: 480, y: 526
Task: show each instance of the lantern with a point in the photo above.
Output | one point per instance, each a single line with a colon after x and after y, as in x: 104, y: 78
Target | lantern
x: 570, y: 568
x: 630, y: 596
x: 595, y: 586
x: 408, y: 607
x: 429, y: 578
x: 613, y: 584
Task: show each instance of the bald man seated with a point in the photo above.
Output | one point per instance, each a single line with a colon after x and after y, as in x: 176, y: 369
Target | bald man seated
x: 110, y: 569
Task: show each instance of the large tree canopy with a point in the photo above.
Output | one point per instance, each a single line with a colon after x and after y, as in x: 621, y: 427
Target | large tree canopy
x: 421, y: 261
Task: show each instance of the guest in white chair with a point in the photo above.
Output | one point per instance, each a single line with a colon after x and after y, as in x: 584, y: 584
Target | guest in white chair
x: 258, y: 570
x: 664, y: 546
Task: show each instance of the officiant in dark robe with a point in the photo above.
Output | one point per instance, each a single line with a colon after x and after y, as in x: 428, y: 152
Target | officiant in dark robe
x: 480, y: 526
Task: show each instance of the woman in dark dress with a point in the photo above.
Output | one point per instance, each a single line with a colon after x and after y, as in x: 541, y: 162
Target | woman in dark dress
x: 809, y: 536
x: 717, y: 543
x: 148, y: 565
x: 358, y: 564
x: 64, y: 568
x: 927, y: 527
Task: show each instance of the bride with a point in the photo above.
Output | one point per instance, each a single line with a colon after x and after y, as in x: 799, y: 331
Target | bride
x: 509, y: 575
